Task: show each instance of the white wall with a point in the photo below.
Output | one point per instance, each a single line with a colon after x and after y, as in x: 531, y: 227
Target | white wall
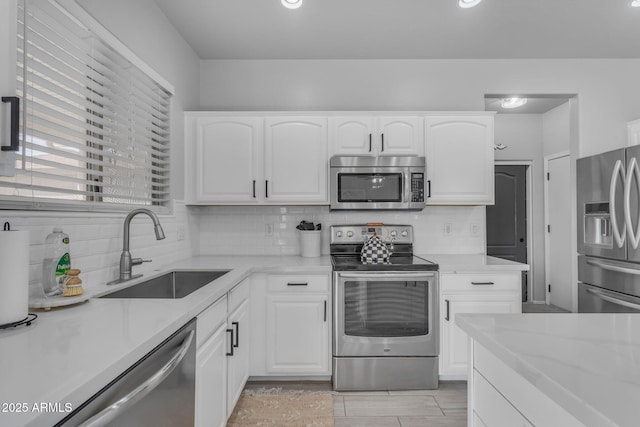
x: 522, y: 134
x: 240, y: 230
x: 608, y: 91
x: 556, y: 129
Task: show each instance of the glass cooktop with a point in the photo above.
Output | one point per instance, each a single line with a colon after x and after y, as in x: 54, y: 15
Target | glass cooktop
x: 400, y: 262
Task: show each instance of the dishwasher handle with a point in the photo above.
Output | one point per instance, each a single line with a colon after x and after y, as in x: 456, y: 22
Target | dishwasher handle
x: 109, y: 413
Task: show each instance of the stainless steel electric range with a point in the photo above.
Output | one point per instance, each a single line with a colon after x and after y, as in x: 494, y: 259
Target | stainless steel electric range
x: 385, y: 329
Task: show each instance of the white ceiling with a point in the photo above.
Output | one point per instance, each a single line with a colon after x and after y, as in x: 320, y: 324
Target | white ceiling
x: 407, y: 29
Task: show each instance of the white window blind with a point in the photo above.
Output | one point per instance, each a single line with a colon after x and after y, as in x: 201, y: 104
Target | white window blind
x: 94, y: 127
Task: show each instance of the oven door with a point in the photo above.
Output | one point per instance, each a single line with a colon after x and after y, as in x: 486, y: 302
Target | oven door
x: 385, y: 314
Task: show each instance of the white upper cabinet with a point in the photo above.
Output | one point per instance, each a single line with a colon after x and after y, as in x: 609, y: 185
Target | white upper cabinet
x: 459, y: 152
x: 8, y: 37
x: 226, y: 159
x: 634, y: 132
x: 255, y: 160
x: 374, y: 135
x: 295, y: 160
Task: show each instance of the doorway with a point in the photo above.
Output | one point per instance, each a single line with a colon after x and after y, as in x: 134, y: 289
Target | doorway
x: 506, y: 222
x: 558, y: 237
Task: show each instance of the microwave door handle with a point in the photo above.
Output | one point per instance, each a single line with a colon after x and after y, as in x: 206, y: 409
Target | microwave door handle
x: 618, y: 171
x: 606, y: 296
x: 633, y: 171
x: 407, y: 187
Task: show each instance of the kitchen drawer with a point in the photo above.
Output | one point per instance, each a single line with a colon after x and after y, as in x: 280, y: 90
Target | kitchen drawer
x: 478, y: 282
x: 298, y: 283
x: 492, y: 408
x: 239, y: 294
x: 210, y: 319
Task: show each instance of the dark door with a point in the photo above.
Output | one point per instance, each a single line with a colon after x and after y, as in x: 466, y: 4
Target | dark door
x: 507, y: 219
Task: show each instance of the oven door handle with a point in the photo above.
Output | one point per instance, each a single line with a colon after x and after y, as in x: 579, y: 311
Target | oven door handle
x: 109, y: 413
x: 398, y: 275
x: 610, y: 298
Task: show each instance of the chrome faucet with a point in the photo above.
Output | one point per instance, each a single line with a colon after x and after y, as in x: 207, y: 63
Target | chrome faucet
x: 126, y: 262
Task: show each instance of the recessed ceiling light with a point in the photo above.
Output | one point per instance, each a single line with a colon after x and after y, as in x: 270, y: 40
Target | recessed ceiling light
x: 635, y: 3
x: 513, y: 102
x: 292, y: 4
x: 465, y: 4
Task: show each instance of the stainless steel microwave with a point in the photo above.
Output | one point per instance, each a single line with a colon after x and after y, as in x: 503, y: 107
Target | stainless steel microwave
x: 373, y: 183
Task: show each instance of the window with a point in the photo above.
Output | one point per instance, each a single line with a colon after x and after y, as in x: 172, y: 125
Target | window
x: 94, y: 124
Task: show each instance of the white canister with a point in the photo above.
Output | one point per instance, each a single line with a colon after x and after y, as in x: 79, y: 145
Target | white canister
x: 14, y: 265
x: 310, y: 243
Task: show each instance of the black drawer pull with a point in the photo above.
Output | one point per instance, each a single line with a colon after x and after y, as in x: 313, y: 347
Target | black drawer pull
x: 297, y: 284
x: 254, y: 188
x: 482, y: 283
x: 382, y: 139
x: 237, y: 343
x: 14, y: 101
x: 325, y: 310
x: 446, y: 316
x: 231, y: 352
x: 266, y: 189
x: 369, y: 142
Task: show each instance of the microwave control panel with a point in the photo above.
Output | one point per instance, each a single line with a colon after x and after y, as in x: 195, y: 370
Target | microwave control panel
x: 417, y: 187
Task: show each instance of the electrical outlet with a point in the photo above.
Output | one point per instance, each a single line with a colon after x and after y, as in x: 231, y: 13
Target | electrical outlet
x: 475, y: 228
x: 181, y: 232
x: 268, y: 230
x: 447, y: 229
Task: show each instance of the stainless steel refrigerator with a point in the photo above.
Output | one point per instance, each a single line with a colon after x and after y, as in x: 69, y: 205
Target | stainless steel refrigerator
x: 609, y: 232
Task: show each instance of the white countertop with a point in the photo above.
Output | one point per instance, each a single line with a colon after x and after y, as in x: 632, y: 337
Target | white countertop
x: 587, y: 363
x: 70, y: 352
x: 473, y: 262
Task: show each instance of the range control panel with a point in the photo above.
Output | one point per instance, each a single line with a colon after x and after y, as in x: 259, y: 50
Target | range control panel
x: 346, y: 234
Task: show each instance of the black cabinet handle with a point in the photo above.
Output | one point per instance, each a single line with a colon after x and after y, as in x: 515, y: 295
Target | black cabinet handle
x: 369, y: 142
x: 429, y: 188
x: 482, y: 283
x: 237, y: 343
x: 446, y: 316
x: 231, y: 352
x: 382, y: 137
x: 297, y: 284
x: 266, y: 189
x: 15, y: 121
x: 254, y: 188
x: 325, y: 310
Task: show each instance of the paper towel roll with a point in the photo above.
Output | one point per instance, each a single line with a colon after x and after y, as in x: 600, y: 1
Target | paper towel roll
x: 14, y: 276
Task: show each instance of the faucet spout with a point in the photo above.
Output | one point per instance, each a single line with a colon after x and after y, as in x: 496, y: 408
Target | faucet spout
x: 126, y: 261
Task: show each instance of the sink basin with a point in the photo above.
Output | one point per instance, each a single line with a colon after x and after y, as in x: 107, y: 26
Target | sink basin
x: 172, y: 285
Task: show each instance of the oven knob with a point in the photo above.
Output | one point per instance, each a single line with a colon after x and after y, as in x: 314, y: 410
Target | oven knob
x: 338, y: 233
x: 349, y: 233
x: 394, y: 233
x: 404, y: 233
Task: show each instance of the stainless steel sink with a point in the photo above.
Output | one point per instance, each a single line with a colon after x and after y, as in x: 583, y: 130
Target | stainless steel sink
x: 172, y: 285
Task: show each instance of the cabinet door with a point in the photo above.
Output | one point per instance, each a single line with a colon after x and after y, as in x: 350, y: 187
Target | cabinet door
x: 453, y: 341
x: 8, y: 37
x: 226, y: 159
x: 211, y: 381
x: 459, y: 152
x: 296, y: 160
x: 401, y: 136
x: 238, y: 363
x: 634, y: 132
x: 298, y: 334
x: 351, y: 136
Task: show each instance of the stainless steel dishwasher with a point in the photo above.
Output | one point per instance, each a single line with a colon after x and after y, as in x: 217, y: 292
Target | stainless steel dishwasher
x: 158, y: 390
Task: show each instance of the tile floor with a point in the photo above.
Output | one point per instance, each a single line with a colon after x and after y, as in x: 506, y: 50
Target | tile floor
x: 445, y: 407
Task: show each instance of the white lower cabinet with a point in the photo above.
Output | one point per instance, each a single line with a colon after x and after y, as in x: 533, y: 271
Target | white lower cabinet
x: 471, y: 293
x: 297, y: 334
x: 291, y: 321
x: 222, y: 357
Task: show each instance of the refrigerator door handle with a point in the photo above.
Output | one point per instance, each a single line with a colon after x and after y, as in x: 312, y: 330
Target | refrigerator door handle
x: 632, y: 172
x: 612, y: 267
x: 618, y: 171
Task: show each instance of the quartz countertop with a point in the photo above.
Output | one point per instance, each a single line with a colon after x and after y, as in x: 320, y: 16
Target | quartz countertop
x: 473, y: 262
x: 70, y: 352
x: 589, y: 364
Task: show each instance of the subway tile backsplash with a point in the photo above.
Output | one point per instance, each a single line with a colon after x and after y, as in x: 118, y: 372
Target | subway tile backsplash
x: 96, y: 241
x: 244, y: 230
